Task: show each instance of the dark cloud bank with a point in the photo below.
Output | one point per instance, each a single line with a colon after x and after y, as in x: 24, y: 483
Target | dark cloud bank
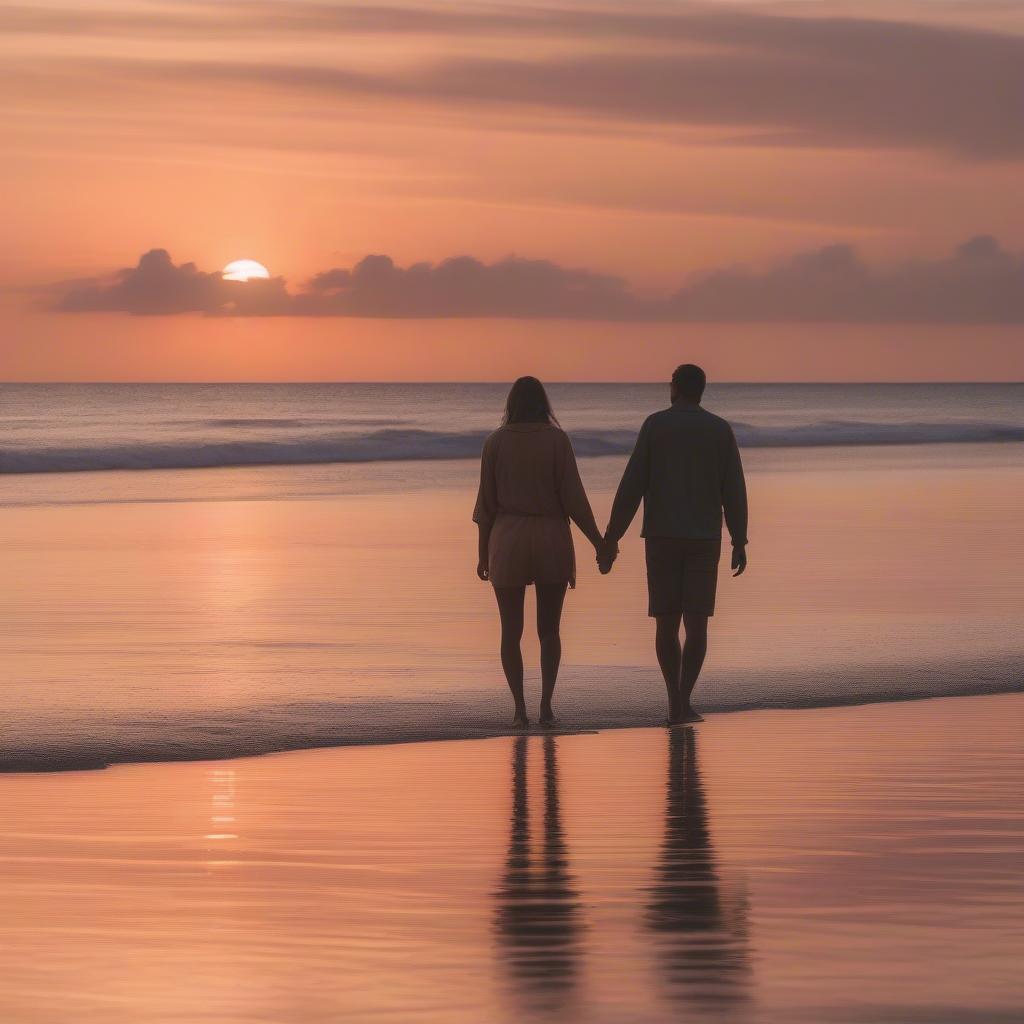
x: 980, y: 282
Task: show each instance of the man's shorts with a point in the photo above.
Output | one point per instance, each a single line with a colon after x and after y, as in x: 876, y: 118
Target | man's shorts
x: 682, y: 575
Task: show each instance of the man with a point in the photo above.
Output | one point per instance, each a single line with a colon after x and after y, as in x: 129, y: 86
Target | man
x: 686, y: 467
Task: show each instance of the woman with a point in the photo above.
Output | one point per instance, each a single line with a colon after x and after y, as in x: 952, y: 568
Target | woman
x: 530, y: 488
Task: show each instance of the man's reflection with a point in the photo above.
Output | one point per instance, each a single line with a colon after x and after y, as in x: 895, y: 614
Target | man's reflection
x: 537, y: 917
x: 701, y: 930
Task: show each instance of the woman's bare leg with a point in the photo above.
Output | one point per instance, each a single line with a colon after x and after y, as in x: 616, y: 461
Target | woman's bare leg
x: 550, y: 597
x: 510, y: 608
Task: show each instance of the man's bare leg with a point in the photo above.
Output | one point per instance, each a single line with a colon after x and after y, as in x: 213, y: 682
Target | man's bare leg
x: 670, y: 658
x: 694, y: 650
x: 681, y: 665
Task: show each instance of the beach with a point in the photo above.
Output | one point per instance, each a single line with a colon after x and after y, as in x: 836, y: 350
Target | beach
x: 173, y: 615
x: 848, y: 864
x: 314, y: 317
x: 839, y: 841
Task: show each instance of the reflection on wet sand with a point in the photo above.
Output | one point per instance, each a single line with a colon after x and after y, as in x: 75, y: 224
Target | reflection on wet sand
x: 699, y: 927
x: 537, y: 918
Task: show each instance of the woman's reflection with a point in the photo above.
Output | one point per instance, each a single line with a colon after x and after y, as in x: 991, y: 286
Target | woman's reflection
x: 537, y: 917
x: 701, y: 929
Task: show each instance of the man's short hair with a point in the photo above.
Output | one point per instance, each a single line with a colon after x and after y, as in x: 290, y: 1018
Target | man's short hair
x: 689, y: 381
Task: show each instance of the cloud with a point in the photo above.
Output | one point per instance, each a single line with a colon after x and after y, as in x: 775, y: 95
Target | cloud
x: 464, y: 286
x: 804, y: 81
x: 780, y: 80
x: 374, y: 287
x: 979, y: 283
x: 219, y: 18
x: 155, y: 286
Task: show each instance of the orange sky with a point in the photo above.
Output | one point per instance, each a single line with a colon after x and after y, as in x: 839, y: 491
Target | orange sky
x: 648, y: 141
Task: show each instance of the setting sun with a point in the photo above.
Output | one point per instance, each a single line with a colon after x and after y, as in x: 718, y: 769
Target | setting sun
x: 244, y: 270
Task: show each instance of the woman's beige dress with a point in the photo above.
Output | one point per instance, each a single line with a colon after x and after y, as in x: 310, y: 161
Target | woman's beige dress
x: 530, y: 488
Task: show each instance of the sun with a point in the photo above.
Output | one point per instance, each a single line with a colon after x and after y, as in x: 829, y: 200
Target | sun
x: 244, y: 270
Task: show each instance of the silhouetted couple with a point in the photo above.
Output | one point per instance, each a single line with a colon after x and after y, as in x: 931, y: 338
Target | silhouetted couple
x: 685, y: 468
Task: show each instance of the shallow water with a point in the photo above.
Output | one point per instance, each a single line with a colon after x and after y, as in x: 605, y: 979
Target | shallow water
x: 215, y: 613
x: 839, y: 865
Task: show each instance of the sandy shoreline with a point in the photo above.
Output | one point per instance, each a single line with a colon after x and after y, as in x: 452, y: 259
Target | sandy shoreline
x: 847, y: 864
x: 483, y: 716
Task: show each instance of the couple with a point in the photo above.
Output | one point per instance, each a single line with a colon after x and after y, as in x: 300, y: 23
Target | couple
x: 685, y: 467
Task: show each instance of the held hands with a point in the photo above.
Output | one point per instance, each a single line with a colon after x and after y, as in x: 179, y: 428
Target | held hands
x: 607, y: 552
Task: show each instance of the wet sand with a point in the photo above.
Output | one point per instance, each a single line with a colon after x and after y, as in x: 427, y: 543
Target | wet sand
x: 846, y: 864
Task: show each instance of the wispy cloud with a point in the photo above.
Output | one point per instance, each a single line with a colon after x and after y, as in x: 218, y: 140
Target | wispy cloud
x: 782, y: 80
x: 980, y: 282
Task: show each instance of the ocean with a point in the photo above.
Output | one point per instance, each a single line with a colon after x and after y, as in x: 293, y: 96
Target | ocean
x: 94, y: 427
x: 199, y: 571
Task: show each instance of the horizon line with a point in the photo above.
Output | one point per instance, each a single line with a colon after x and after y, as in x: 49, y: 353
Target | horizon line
x: 505, y: 380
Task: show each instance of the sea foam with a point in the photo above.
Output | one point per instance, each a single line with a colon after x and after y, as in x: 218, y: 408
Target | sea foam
x: 399, y: 444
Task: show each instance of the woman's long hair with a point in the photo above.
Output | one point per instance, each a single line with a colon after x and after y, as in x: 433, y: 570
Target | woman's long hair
x: 528, y: 402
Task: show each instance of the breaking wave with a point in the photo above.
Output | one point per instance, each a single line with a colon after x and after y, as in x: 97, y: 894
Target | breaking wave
x: 394, y: 444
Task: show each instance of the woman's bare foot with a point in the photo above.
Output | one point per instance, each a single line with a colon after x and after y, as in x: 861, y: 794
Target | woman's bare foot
x: 685, y: 717
x: 521, y: 720
x: 547, y: 717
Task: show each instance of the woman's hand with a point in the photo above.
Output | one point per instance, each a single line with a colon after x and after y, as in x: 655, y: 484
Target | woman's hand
x: 483, y: 548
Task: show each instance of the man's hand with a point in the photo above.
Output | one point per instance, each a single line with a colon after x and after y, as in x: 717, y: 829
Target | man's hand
x: 606, y: 555
x: 483, y: 570
x: 739, y: 560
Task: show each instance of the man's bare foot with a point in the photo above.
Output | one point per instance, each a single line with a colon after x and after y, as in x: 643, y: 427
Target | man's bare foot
x: 547, y: 717
x: 689, y: 715
x: 521, y: 721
